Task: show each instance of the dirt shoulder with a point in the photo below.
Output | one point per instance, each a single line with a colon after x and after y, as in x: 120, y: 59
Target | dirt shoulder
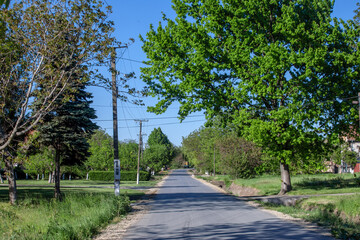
x: 139, y: 209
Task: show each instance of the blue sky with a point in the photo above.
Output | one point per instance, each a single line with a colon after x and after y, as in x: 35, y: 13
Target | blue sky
x: 131, y: 19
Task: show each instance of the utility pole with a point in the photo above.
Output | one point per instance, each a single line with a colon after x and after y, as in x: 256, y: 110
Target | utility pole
x: 117, y: 167
x: 139, y: 152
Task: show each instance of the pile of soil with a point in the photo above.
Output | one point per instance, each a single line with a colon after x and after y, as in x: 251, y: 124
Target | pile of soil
x: 242, y: 191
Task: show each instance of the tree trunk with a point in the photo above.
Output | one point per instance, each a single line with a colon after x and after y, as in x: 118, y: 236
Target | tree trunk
x: 285, y: 178
x: 12, y: 182
x: 57, y: 175
x: 50, y: 176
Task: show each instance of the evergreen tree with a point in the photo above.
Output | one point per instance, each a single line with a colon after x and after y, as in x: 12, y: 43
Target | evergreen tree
x: 66, y: 129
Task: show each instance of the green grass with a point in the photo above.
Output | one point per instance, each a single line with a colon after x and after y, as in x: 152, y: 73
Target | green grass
x: 87, y: 183
x: 341, y: 214
x: 82, y: 213
x: 79, y: 216
x: 305, y: 184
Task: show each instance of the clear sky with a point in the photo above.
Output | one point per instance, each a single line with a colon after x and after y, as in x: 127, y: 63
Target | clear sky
x: 131, y: 19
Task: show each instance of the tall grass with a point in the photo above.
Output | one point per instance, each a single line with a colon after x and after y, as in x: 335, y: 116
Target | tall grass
x: 78, y: 216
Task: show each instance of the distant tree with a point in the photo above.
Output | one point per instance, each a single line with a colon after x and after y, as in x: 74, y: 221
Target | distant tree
x: 101, y: 151
x: 156, y: 157
x: 42, y: 162
x: 128, y: 155
x: 277, y: 69
x: 199, y: 147
x: 159, y: 151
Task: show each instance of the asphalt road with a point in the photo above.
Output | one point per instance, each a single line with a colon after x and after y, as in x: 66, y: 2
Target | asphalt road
x: 185, y: 208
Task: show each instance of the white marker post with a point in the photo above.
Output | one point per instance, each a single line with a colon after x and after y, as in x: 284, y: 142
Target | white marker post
x: 117, y: 177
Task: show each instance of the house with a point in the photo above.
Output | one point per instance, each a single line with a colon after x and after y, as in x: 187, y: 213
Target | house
x: 353, y: 139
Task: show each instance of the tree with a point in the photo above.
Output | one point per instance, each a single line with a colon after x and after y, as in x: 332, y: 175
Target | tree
x: 128, y: 155
x: 280, y: 70
x: 101, y: 151
x: 45, y: 44
x: 160, y: 150
x: 67, y: 129
x: 156, y: 157
x: 239, y: 157
x: 199, y: 147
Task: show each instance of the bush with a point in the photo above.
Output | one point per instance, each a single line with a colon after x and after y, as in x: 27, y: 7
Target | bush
x: 125, y: 175
x: 239, y: 157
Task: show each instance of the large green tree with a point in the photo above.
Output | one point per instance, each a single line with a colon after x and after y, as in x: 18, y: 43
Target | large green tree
x: 282, y: 71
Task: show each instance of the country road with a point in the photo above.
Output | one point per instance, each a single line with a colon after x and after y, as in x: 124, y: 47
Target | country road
x: 185, y: 208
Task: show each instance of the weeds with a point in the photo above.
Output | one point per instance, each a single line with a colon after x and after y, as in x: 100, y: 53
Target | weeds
x: 79, y: 216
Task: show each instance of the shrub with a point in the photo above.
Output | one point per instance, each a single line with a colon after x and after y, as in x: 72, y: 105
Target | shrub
x: 239, y: 157
x: 125, y: 175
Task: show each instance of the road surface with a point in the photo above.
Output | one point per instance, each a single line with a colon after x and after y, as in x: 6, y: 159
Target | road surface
x: 185, y: 208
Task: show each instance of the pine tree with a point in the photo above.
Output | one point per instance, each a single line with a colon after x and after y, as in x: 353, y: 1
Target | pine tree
x: 66, y: 130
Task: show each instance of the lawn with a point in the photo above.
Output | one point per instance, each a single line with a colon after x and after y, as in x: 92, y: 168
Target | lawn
x: 302, y: 184
x: 82, y: 213
x: 87, y: 183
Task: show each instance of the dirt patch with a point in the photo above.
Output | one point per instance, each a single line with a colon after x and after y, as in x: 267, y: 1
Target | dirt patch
x: 138, y: 210
x: 243, y: 191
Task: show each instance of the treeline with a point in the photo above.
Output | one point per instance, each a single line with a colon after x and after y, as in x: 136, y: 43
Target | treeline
x: 99, y: 156
x: 217, y: 150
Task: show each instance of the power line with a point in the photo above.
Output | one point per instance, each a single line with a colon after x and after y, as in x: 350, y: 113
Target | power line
x: 151, y: 118
x: 132, y: 60
x: 163, y: 124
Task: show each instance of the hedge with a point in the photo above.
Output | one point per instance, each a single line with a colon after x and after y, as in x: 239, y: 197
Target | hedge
x: 125, y: 176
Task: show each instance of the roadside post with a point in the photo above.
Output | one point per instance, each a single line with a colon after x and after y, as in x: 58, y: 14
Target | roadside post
x: 117, y: 176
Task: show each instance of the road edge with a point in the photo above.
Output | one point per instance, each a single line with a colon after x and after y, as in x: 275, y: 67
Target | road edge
x: 138, y: 210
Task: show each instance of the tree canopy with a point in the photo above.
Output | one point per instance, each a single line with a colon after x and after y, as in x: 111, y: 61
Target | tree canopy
x: 282, y: 71
x: 45, y: 44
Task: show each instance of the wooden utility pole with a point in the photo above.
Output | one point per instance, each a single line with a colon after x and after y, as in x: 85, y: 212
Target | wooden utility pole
x: 117, y: 166
x: 139, y: 152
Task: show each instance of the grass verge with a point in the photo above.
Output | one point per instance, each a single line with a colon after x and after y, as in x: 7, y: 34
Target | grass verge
x: 341, y: 214
x: 302, y: 184
x: 81, y: 214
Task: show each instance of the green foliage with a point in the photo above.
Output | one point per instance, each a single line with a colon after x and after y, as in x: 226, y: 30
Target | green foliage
x: 41, y: 162
x: 5, y: 2
x: 128, y: 155
x: 157, y: 137
x: 239, y: 158
x: 101, y: 151
x: 125, y: 176
x: 79, y: 216
x: 159, y: 152
x: 276, y: 69
x: 199, y: 147
x: 340, y: 152
x: 47, y: 44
